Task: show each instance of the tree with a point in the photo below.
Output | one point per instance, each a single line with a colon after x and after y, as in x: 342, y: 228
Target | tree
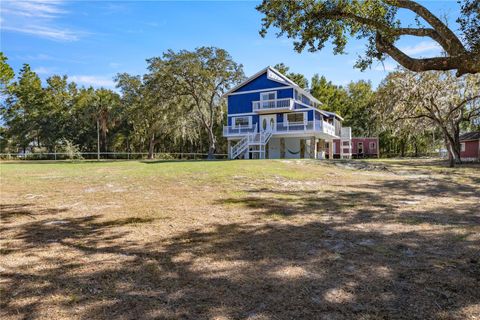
x: 105, y: 108
x: 202, y: 77
x: 55, y: 111
x: 22, y: 108
x: 313, y: 23
x: 431, y: 98
x: 6, y: 74
x: 333, y: 97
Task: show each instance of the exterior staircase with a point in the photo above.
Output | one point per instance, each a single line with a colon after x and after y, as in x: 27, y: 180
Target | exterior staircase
x: 253, y: 145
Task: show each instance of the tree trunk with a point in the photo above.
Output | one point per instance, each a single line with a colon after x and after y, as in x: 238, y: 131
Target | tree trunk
x: 103, y: 141
x: 456, y: 144
x: 402, y: 145
x: 212, y: 144
x: 451, y: 155
x: 415, y: 145
x: 151, y: 147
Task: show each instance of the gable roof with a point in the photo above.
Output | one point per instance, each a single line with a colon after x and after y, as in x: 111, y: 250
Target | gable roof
x: 276, y: 76
x: 470, y: 136
x: 280, y: 79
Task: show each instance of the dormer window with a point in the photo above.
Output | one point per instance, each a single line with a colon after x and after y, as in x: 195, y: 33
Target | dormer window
x: 271, y: 95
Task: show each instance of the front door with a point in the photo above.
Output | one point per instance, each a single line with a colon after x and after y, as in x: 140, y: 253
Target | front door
x: 268, y: 122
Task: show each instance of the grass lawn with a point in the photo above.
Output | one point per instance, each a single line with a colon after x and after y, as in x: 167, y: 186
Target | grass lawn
x: 266, y: 239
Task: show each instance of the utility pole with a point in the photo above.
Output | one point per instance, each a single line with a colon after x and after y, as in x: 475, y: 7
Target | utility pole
x: 98, y: 141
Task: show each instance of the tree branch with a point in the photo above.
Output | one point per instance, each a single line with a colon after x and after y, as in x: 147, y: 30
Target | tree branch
x: 450, y: 41
x: 459, y: 62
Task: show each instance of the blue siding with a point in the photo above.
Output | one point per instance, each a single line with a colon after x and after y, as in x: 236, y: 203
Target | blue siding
x: 279, y: 117
x: 242, y: 103
x: 255, y: 121
x: 261, y: 82
x: 310, y: 115
x: 306, y: 100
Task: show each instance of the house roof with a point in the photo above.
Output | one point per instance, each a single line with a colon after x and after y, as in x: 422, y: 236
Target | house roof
x: 282, y: 79
x: 332, y: 114
x: 475, y: 135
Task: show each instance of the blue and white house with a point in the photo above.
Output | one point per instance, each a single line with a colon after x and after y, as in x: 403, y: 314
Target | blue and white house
x: 271, y: 117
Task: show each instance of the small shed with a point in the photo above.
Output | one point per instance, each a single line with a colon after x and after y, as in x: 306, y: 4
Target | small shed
x: 470, y: 146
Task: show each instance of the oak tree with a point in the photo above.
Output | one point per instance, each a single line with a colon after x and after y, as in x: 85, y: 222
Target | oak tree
x: 313, y: 23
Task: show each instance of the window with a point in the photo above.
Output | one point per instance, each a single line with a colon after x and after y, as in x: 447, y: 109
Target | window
x: 372, y: 145
x: 242, y: 122
x: 297, y: 117
x: 272, y: 95
x: 462, y: 147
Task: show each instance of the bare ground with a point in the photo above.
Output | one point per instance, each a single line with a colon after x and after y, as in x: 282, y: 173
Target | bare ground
x: 240, y: 240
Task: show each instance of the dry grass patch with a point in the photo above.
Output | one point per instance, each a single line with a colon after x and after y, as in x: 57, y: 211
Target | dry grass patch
x: 240, y: 240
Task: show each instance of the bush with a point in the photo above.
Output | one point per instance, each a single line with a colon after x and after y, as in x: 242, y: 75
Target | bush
x: 72, y: 151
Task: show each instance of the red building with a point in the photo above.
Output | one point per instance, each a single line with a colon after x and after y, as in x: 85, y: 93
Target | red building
x: 470, y: 146
x: 361, y: 147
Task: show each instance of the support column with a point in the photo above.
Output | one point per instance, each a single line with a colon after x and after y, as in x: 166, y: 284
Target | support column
x: 282, y: 148
x: 229, y: 149
x: 330, y: 149
x: 313, y: 148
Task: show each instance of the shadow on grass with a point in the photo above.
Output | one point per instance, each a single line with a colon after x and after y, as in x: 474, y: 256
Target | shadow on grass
x: 9, y: 212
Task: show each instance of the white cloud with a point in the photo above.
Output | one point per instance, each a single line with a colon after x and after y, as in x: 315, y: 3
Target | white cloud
x: 94, y: 81
x: 422, y: 47
x: 37, y: 18
x: 43, y: 70
x: 45, y: 32
x: 36, y: 8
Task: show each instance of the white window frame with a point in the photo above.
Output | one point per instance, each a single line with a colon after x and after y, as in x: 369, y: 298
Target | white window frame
x: 462, y: 147
x: 372, y: 143
x: 285, y: 117
x: 234, y: 125
x: 268, y: 93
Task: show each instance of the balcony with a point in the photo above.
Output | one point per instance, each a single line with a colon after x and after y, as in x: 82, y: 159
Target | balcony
x: 312, y: 127
x: 309, y: 126
x: 274, y: 105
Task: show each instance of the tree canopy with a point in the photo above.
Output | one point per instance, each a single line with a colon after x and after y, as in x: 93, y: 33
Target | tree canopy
x: 437, y: 99
x: 313, y: 23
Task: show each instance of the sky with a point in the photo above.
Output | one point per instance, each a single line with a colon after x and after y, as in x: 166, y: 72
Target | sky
x: 92, y: 41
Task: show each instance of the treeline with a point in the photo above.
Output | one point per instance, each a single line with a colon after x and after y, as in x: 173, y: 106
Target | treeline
x: 177, y: 106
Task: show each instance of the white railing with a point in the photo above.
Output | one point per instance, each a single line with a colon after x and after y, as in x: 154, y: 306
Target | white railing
x: 233, y: 130
x: 241, y: 146
x: 259, y: 139
x: 286, y: 103
x: 297, y: 126
x: 328, y: 128
x: 320, y: 126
